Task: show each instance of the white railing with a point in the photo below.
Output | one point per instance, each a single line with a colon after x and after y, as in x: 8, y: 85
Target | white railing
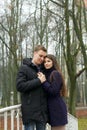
x: 11, y: 115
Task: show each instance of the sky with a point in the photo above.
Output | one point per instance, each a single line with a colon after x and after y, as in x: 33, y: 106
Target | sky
x: 1, y: 7
x: 5, y: 4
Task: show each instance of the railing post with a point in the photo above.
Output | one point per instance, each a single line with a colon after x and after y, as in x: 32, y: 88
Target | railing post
x: 17, y: 116
x: 12, y: 119
x: 5, y: 121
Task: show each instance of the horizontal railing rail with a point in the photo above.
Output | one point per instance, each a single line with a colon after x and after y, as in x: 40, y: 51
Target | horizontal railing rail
x: 9, y: 108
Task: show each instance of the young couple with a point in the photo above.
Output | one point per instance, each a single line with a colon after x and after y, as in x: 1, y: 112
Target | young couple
x: 42, y: 89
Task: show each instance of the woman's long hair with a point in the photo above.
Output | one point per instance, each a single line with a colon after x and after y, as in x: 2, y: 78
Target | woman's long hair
x: 63, y: 90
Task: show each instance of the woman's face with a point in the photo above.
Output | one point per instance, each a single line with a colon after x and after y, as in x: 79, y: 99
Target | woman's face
x: 48, y: 63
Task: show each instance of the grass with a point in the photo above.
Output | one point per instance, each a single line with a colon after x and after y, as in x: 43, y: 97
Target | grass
x: 82, y: 124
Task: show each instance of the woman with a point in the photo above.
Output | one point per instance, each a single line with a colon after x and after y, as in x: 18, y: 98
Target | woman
x: 55, y: 87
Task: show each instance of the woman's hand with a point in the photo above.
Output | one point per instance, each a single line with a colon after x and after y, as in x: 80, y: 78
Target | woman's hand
x: 42, y: 77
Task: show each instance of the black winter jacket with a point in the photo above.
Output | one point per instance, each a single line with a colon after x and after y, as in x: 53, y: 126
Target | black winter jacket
x: 33, y: 97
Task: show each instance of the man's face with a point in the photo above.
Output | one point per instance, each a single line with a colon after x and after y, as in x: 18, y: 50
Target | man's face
x: 39, y: 57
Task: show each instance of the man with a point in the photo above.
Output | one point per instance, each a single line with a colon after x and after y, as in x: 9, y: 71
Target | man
x: 33, y: 97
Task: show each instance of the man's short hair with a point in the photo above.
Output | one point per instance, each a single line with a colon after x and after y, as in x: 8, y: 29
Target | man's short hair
x: 40, y: 47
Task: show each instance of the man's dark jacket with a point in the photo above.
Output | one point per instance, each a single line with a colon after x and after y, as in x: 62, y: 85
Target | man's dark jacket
x: 33, y: 97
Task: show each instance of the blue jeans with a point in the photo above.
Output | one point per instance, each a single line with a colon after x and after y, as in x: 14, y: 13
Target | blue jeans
x: 34, y: 125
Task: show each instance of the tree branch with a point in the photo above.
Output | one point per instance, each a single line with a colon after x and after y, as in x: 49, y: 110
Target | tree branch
x: 6, y: 44
x: 80, y: 72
